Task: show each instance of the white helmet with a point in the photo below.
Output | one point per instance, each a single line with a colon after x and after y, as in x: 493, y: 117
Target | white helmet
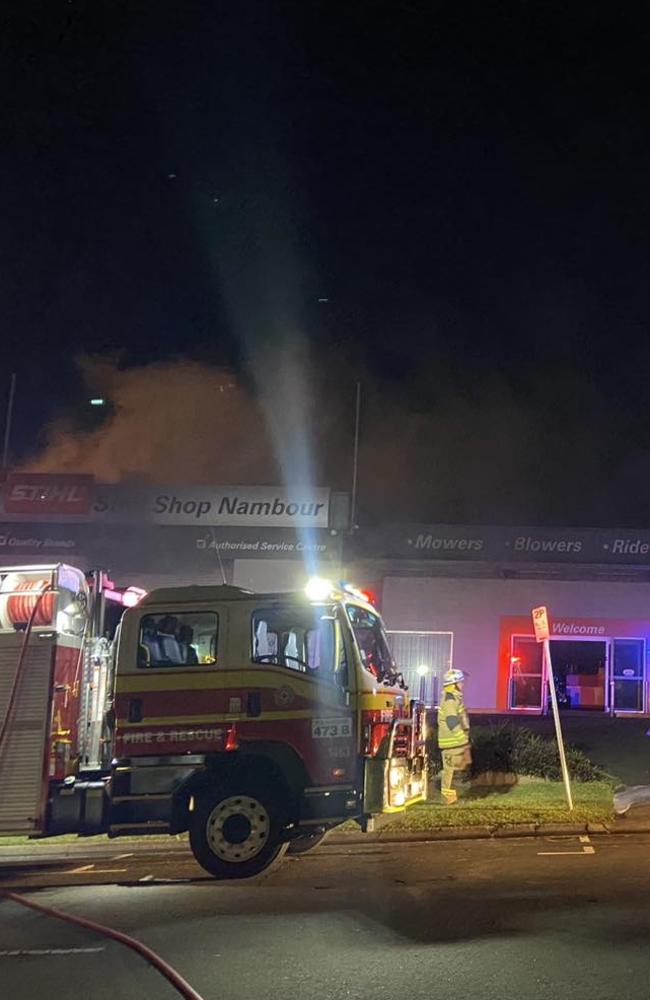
x: 453, y: 677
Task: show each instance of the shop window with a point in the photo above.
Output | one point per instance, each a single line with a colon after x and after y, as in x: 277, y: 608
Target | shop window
x: 629, y: 675
x: 525, y: 674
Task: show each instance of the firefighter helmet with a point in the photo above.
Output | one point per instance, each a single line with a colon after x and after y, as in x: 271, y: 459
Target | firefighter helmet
x: 453, y: 677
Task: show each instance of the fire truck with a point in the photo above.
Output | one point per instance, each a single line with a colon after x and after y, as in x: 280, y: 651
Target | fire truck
x: 254, y: 722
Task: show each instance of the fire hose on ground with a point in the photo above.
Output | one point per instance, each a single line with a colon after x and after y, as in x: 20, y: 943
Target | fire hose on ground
x: 159, y: 964
x: 150, y: 956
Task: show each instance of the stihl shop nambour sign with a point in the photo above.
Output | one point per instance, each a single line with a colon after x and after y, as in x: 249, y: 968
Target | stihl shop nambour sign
x: 242, y: 506
x: 63, y: 497
x: 233, y: 506
x: 34, y: 494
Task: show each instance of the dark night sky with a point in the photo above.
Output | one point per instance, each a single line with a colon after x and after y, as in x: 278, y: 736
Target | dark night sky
x: 466, y: 183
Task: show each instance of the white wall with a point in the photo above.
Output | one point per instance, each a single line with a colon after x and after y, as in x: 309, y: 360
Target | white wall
x: 269, y: 575
x: 472, y: 609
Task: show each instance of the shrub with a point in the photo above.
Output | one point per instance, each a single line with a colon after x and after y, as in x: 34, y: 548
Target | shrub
x: 509, y: 748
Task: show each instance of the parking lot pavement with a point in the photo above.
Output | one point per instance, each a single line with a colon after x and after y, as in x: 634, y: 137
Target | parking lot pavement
x: 554, y: 916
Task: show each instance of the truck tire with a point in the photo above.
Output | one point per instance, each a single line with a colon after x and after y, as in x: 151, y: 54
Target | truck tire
x: 300, y: 845
x: 236, y: 832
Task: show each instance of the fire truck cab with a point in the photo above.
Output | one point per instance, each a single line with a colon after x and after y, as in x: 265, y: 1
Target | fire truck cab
x: 256, y: 722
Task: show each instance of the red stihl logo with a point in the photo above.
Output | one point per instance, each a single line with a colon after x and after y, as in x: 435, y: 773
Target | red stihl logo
x: 34, y: 494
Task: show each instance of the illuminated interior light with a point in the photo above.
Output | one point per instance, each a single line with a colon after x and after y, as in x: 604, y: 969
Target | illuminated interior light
x: 422, y: 670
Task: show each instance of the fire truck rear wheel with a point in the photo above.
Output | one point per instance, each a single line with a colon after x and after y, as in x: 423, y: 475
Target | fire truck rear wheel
x: 237, y: 834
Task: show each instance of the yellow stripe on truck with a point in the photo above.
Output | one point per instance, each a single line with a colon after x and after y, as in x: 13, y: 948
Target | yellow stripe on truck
x: 173, y: 720
x: 374, y: 701
x: 212, y: 679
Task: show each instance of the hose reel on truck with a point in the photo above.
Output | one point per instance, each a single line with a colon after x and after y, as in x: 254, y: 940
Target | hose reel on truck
x: 54, y: 675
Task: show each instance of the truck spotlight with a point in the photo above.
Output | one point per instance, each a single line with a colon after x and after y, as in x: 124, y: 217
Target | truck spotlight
x: 318, y: 589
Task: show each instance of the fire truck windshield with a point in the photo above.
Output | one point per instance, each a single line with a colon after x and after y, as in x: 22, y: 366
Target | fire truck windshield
x: 373, y: 644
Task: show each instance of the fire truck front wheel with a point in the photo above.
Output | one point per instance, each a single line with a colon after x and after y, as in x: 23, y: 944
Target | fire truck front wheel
x: 236, y: 834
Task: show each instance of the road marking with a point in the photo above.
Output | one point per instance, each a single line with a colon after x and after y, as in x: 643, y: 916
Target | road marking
x: 146, y: 878
x: 119, y: 857
x: 557, y: 854
x: 19, y: 952
x: 168, y: 880
x: 86, y: 869
x: 586, y: 849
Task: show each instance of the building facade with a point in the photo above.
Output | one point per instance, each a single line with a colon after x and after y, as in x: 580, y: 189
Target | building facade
x: 261, y: 537
x: 458, y: 595
x: 464, y: 595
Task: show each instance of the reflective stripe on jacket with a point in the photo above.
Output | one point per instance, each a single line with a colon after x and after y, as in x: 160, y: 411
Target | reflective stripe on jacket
x: 453, y: 724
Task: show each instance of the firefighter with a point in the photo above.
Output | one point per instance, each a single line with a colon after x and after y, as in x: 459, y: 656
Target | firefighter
x: 453, y: 733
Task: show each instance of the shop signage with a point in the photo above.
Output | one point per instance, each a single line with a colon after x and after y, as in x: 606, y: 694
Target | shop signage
x: 39, y: 495
x: 505, y: 545
x: 232, y: 506
x: 157, y: 548
x: 43, y: 497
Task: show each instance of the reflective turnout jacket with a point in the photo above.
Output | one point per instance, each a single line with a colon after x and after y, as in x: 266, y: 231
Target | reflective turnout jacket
x: 453, y: 723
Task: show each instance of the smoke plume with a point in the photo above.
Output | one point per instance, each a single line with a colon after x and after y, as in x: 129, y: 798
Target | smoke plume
x: 436, y: 446
x: 175, y: 421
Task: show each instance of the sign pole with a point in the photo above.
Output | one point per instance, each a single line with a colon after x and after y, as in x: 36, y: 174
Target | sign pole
x: 8, y: 421
x: 355, y: 458
x: 558, y: 727
x: 542, y: 634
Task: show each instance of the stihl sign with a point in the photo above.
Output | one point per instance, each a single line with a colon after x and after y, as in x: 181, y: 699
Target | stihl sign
x: 32, y: 493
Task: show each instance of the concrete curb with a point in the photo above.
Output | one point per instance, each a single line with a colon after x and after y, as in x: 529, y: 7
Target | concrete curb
x: 46, y: 852
x: 42, y: 852
x: 491, y: 833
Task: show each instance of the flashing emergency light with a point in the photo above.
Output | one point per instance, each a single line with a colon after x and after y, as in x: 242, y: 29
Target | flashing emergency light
x: 364, y: 595
x: 132, y: 596
x: 128, y: 598
x: 318, y: 589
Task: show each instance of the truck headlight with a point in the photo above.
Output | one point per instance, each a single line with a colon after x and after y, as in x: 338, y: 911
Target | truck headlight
x: 396, y: 777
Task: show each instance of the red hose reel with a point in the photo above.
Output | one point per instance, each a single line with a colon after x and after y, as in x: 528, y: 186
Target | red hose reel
x: 20, y: 603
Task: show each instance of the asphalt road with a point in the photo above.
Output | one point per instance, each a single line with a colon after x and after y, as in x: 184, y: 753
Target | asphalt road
x: 473, y: 919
